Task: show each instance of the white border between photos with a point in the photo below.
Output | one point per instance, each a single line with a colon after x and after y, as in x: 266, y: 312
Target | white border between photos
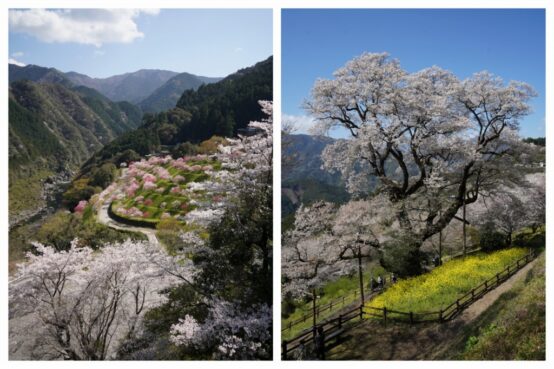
x: 277, y: 5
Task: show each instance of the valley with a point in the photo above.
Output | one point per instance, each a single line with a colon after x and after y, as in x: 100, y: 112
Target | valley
x: 104, y: 187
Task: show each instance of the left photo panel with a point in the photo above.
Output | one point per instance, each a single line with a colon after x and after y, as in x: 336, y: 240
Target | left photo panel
x: 140, y: 184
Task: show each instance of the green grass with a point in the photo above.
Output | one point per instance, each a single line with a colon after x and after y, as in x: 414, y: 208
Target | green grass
x: 25, y: 193
x: 443, y: 285
x: 344, y: 286
x: 517, y: 330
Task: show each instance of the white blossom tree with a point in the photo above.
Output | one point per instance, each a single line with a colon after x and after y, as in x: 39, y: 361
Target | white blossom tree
x: 88, y: 303
x: 512, y: 208
x: 230, y: 330
x: 327, y: 239
x: 452, y: 137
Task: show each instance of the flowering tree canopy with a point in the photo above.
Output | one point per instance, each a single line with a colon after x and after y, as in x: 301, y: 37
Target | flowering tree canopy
x: 233, y: 332
x: 441, y: 136
x: 85, y: 303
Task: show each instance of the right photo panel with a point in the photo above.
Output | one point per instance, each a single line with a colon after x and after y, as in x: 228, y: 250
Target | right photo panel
x: 413, y: 184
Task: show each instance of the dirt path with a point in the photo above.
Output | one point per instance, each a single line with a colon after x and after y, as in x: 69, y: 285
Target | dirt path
x: 104, y: 218
x: 478, y: 307
x: 372, y: 340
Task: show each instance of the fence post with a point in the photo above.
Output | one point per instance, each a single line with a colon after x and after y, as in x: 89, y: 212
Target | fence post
x: 497, y: 278
x: 385, y: 314
x: 340, y: 321
x: 458, y: 304
x: 284, y: 346
x: 361, y: 312
x: 331, y: 305
x: 486, y: 286
x: 411, y: 317
x: 472, y: 293
x: 342, y: 300
x: 440, y: 315
x: 517, y: 264
x: 290, y: 325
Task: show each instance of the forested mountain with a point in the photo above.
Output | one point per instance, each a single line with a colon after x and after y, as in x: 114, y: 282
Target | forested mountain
x: 303, y: 181
x: 224, y: 107
x: 152, y: 89
x: 220, y: 109
x: 166, y: 96
x: 53, y: 129
x: 37, y: 74
x: 132, y: 87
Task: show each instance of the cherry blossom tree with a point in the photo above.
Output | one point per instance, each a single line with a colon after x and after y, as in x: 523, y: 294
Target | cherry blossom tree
x: 512, y: 208
x: 229, y: 331
x: 327, y: 238
x: 87, y: 304
x: 453, y: 138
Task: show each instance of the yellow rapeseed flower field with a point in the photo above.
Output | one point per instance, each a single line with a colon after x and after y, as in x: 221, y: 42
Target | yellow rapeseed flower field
x: 443, y: 285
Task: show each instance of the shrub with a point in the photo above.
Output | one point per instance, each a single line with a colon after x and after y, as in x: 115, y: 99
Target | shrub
x: 491, y: 239
x: 534, y: 240
x: 401, y: 257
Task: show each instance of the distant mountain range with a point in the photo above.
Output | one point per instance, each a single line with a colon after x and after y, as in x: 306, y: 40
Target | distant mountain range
x: 166, y: 96
x: 152, y: 89
x: 302, y: 179
x: 59, y: 121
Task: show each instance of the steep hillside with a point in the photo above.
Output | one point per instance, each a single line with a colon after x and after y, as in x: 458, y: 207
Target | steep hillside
x: 509, y: 327
x: 132, y: 87
x: 221, y: 108
x: 53, y: 129
x: 166, y: 96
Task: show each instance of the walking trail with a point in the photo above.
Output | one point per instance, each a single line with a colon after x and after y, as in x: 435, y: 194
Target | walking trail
x: 371, y: 340
x: 105, y: 219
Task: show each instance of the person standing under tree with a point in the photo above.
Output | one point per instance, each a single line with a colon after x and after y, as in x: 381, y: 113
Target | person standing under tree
x: 320, y: 343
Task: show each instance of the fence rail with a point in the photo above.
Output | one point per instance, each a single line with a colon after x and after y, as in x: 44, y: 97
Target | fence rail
x: 342, y: 301
x: 448, y: 313
x: 338, y: 302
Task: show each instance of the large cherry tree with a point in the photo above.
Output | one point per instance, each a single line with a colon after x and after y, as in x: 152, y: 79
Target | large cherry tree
x: 434, y: 142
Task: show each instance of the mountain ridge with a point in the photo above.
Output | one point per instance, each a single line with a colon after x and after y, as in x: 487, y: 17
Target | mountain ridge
x: 134, y: 87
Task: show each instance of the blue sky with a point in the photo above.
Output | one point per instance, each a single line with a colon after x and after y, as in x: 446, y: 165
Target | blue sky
x: 207, y: 42
x: 508, y: 43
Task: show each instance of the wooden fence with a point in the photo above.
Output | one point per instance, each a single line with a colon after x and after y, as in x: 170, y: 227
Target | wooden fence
x: 335, y: 303
x: 455, y: 308
x: 307, y: 337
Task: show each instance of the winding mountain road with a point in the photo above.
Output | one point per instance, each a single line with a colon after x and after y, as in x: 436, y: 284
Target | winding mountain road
x: 105, y: 219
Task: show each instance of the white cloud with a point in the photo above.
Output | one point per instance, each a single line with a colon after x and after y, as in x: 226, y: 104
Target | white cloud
x: 99, y: 52
x: 300, y: 123
x: 17, y: 54
x: 239, y: 49
x: 18, y: 63
x: 84, y: 26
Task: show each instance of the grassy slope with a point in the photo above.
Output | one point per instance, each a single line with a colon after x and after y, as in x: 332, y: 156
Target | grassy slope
x: 344, y: 286
x: 514, y: 327
x: 517, y: 319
